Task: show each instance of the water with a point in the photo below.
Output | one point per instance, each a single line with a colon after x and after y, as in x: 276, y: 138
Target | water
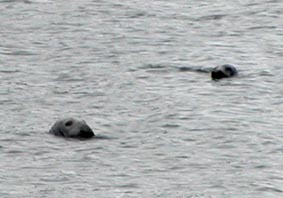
x: 162, y: 132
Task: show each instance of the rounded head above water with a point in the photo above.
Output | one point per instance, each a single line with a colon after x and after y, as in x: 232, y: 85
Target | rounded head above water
x: 71, y: 127
x: 223, y: 71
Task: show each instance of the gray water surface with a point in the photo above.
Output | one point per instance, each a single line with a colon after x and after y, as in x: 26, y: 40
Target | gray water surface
x: 162, y: 132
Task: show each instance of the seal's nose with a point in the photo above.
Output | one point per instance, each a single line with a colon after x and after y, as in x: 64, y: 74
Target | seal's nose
x: 215, y: 75
x: 86, y: 132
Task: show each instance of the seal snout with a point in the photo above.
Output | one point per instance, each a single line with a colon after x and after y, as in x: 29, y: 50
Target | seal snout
x: 86, y: 133
x: 217, y: 75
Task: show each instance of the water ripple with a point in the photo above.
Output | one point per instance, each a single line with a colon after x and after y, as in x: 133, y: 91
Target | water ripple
x: 139, y: 73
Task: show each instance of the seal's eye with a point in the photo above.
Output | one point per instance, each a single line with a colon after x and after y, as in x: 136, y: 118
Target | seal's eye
x: 69, y: 123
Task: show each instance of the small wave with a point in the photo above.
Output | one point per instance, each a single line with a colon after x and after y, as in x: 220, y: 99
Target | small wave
x: 25, y: 1
x: 262, y: 27
x: 15, y: 1
x: 211, y: 17
x: 270, y: 189
x: 266, y: 73
x: 137, y: 15
x: 195, y: 69
x: 104, y: 137
x: 171, y: 125
x: 20, y: 53
x: 153, y: 66
x: 10, y: 71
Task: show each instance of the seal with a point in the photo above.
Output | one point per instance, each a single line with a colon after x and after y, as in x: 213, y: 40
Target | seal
x: 223, y: 71
x: 71, y: 127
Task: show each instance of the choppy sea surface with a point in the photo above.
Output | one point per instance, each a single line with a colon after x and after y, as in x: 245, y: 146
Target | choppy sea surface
x: 161, y: 132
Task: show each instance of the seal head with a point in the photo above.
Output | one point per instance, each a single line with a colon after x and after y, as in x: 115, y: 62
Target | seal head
x: 223, y: 71
x: 71, y: 127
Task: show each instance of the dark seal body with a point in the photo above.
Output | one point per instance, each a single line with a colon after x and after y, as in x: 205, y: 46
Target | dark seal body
x: 223, y: 71
x: 71, y: 127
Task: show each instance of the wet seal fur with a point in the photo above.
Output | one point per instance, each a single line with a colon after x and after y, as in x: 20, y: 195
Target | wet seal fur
x: 71, y: 127
x: 223, y: 71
